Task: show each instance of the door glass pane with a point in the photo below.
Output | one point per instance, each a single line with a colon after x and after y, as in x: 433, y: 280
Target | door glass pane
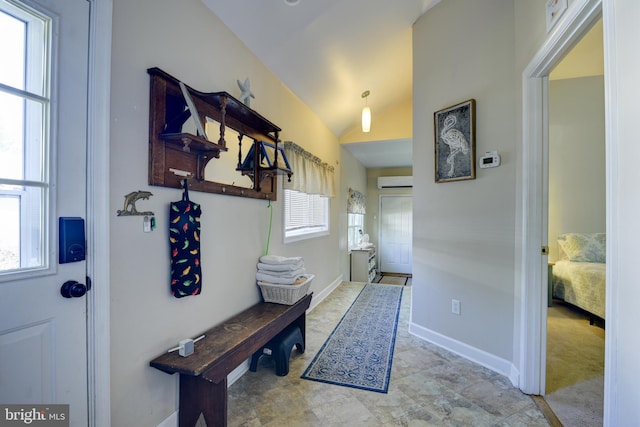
x: 33, y: 168
x: 12, y: 50
x: 22, y: 235
x: 21, y: 138
x: 24, y: 120
x: 9, y: 233
x: 11, y: 136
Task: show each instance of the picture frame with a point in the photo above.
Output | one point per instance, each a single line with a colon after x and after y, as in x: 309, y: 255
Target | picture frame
x: 455, y: 142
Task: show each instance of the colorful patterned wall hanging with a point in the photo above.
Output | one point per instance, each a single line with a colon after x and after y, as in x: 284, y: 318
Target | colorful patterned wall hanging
x: 184, y: 238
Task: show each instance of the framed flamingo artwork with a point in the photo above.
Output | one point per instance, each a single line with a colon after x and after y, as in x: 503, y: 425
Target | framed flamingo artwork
x: 455, y: 142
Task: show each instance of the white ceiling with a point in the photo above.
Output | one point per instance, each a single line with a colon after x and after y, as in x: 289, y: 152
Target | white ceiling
x: 330, y: 51
x: 390, y: 153
x: 395, y: 153
x: 327, y: 52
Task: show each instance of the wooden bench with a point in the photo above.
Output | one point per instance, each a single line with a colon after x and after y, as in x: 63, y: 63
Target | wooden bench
x: 203, y: 375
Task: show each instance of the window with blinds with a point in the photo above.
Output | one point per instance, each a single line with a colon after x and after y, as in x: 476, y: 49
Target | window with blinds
x: 305, y: 215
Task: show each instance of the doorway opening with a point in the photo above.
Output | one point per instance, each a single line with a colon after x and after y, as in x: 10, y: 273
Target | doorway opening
x: 396, y: 231
x: 579, y: 18
x: 574, y: 371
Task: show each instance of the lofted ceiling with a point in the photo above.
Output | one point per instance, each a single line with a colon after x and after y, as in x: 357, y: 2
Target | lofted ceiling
x: 330, y: 51
x: 327, y: 52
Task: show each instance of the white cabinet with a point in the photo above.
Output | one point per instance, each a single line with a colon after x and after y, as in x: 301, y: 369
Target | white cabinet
x: 363, y: 265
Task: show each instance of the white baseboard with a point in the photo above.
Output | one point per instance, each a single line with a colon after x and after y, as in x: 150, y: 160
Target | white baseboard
x: 238, y: 372
x: 481, y: 357
x: 317, y: 299
x: 172, y: 420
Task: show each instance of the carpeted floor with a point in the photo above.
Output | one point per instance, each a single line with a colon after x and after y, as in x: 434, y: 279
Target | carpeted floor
x: 575, y: 367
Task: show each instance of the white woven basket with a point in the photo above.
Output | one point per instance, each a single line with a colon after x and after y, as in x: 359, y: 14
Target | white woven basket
x: 285, y: 294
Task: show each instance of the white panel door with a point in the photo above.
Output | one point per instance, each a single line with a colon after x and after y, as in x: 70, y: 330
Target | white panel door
x: 396, y: 230
x: 43, y: 335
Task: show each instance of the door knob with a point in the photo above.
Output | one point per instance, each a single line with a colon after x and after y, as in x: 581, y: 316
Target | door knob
x: 73, y: 289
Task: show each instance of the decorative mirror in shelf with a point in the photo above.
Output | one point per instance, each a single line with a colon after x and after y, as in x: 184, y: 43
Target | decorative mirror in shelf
x: 188, y: 128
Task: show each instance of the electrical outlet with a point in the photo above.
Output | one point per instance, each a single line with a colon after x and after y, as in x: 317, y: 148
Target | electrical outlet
x: 455, y: 306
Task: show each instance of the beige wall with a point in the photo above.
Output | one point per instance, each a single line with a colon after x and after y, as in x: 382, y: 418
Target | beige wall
x: 188, y: 41
x: 394, y: 123
x: 576, y: 158
x: 464, y: 231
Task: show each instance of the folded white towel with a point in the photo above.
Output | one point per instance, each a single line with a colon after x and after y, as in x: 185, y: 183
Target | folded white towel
x: 261, y: 277
x: 280, y: 267
x: 283, y: 274
x: 276, y: 259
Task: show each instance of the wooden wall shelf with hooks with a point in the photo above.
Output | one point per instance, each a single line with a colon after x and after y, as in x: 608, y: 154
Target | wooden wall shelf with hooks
x: 171, y: 148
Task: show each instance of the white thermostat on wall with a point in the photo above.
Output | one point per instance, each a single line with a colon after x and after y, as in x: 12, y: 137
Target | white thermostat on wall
x: 491, y: 159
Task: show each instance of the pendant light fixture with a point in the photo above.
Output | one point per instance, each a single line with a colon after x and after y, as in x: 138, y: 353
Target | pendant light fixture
x: 366, y: 113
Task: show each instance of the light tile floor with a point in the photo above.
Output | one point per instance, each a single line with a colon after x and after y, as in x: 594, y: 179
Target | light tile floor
x: 429, y: 386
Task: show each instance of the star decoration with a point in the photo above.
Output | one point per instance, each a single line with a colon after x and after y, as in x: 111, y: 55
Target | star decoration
x: 245, y: 94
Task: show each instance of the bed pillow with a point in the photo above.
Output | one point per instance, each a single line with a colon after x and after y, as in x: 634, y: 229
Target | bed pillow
x: 583, y: 247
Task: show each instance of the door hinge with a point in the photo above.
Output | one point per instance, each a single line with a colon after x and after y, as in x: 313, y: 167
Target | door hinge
x: 544, y: 250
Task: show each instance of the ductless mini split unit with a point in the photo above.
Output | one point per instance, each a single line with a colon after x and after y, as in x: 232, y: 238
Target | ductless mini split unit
x: 395, y: 182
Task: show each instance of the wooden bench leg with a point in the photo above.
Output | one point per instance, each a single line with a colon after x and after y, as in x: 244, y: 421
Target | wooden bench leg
x: 199, y: 396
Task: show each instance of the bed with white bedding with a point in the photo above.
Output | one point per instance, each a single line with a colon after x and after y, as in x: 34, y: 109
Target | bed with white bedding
x: 579, y: 274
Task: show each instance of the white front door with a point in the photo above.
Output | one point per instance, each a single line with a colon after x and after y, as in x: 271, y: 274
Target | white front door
x: 43, y: 132
x: 396, y: 230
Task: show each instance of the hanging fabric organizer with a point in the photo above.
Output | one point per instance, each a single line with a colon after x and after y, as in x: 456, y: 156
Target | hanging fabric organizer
x: 184, y: 238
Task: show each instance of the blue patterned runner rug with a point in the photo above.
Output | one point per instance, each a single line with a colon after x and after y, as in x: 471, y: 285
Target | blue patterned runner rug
x: 359, y: 351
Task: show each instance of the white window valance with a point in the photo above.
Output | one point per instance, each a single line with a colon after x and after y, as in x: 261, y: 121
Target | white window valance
x: 310, y: 174
x: 357, y: 202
